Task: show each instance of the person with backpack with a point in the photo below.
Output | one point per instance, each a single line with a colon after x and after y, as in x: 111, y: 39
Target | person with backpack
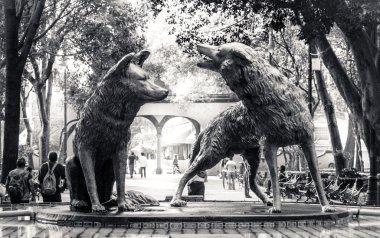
x: 19, y: 184
x: 50, y: 177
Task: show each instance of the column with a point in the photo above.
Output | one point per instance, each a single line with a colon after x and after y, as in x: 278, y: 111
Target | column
x: 159, y: 150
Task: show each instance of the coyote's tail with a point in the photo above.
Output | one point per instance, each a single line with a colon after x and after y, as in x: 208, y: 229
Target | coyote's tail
x: 196, y: 148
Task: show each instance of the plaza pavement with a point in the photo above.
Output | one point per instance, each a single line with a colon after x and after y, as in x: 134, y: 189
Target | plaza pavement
x: 160, y: 186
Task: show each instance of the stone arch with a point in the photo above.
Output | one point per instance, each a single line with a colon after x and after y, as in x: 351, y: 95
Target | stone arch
x: 159, y: 123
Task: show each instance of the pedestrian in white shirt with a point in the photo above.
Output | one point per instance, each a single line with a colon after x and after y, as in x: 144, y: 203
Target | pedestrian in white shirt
x: 143, y: 163
x: 231, y: 171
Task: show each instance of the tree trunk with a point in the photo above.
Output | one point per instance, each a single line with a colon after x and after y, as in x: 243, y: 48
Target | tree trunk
x: 28, y: 129
x: 13, y: 87
x: 285, y: 157
x: 357, y: 100
x: 340, y: 161
x: 346, y: 87
x: 44, y: 133
x: 364, y: 56
x: 15, y: 63
x: 296, y: 162
x: 365, y: 52
x: 358, y: 150
x: 349, y: 147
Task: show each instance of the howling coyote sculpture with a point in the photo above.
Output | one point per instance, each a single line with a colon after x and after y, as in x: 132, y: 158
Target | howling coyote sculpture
x: 275, y: 105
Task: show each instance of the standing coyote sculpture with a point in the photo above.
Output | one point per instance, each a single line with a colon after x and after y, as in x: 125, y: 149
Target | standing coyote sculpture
x: 231, y: 132
x: 102, y: 134
x: 275, y: 105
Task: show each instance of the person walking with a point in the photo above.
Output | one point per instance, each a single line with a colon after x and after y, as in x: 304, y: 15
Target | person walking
x: 175, y: 165
x: 131, y: 163
x: 19, y: 184
x: 52, y: 179
x: 231, y: 171
x: 143, y: 163
x: 223, y: 173
x: 245, y: 172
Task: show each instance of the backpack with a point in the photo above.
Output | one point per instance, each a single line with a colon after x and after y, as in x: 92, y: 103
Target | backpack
x: 17, y: 186
x: 49, y: 183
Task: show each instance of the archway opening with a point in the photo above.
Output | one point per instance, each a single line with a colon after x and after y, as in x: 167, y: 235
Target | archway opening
x: 178, y: 137
x: 143, y: 138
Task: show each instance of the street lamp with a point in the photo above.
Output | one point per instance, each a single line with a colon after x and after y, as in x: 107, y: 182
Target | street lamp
x: 64, y: 141
x: 65, y: 113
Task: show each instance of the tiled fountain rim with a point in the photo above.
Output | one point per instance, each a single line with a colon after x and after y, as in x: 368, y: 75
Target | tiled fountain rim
x: 188, y: 218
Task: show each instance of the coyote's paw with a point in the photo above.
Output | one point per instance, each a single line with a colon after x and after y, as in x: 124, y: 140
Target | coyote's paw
x: 274, y: 210
x: 97, y: 208
x: 328, y: 209
x: 79, y: 203
x: 126, y: 205
x: 178, y: 203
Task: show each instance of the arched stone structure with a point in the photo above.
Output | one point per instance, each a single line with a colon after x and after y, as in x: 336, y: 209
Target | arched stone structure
x: 159, y: 123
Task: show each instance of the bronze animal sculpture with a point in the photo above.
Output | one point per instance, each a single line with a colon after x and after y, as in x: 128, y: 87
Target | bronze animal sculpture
x: 275, y: 105
x: 102, y: 134
x: 231, y: 132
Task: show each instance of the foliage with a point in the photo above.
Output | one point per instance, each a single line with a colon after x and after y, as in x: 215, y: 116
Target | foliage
x: 25, y: 151
x: 198, y: 23
x: 2, y: 69
x: 210, y: 24
x: 143, y: 136
x: 178, y: 70
x: 349, y: 176
x: 350, y: 173
x: 113, y: 31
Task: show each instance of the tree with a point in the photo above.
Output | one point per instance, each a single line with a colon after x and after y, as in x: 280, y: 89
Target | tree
x: 59, y: 20
x: 21, y: 23
x: 362, y: 98
x: 2, y: 74
x: 115, y: 30
x: 17, y: 51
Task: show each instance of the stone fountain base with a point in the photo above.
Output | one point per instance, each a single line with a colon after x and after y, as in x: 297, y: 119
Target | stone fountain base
x: 197, y: 215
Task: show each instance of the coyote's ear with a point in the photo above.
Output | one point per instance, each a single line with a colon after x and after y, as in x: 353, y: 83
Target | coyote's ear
x: 241, y: 56
x: 121, y: 64
x: 141, y: 56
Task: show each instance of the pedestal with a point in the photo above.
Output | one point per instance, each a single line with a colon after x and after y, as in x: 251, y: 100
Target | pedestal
x: 208, y: 215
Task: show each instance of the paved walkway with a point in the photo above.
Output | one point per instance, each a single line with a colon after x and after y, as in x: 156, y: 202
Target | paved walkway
x: 160, y: 186
x: 365, y: 227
